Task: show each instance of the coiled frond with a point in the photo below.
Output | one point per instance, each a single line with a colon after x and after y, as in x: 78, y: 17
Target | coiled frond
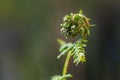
x: 74, y: 24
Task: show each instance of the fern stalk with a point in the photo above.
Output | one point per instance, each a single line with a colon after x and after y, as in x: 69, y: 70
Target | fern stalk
x: 65, y: 68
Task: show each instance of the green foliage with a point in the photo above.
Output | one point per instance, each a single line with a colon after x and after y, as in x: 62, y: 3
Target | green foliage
x: 79, y: 51
x: 59, y: 77
x: 61, y: 42
x: 76, y: 49
x: 65, y: 48
x: 73, y: 25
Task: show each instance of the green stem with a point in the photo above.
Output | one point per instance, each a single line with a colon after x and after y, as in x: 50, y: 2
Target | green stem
x: 66, y: 65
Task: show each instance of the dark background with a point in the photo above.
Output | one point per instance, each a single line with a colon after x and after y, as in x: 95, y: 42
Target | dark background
x: 28, y: 33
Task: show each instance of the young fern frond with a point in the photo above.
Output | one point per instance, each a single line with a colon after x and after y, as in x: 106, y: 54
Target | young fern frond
x: 73, y: 25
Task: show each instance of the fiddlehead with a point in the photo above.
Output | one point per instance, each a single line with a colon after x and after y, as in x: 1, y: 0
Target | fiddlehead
x: 73, y: 25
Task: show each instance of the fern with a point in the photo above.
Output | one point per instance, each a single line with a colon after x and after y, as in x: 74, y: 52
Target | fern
x: 73, y: 25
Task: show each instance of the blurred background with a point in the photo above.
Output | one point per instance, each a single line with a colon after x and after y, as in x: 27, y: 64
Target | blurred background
x: 28, y: 33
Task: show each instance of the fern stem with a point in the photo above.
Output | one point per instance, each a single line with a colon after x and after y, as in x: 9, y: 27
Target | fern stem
x: 65, y: 68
